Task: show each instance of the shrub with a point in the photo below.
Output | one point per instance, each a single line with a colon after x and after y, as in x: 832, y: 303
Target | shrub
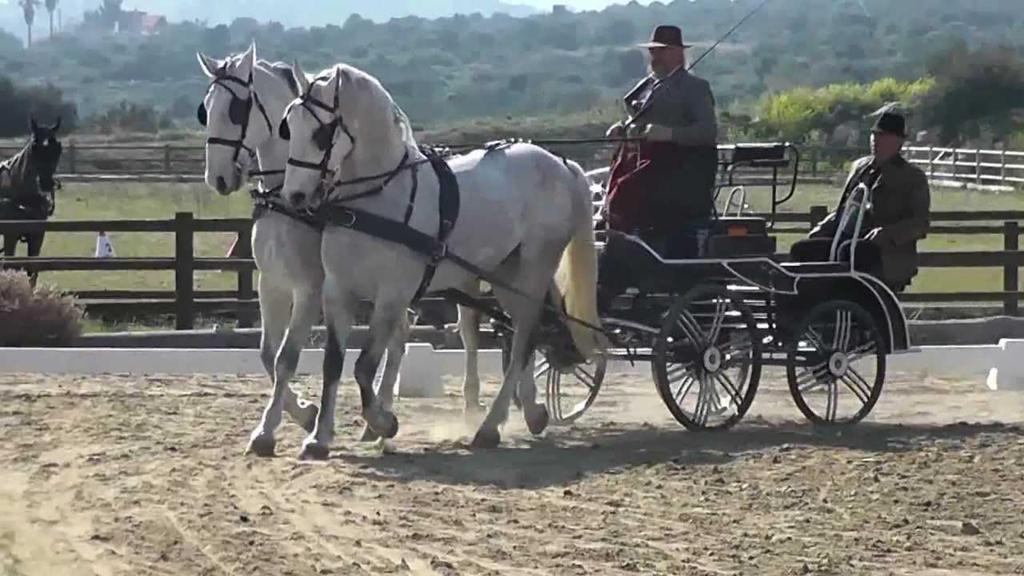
x: 40, y: 316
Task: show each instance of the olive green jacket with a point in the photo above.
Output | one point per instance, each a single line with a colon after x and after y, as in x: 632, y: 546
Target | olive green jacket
x: 900, y: 205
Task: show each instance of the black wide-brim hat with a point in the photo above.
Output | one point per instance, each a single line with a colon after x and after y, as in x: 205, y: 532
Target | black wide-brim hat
x: 666, y: 37
x: 891, y: 123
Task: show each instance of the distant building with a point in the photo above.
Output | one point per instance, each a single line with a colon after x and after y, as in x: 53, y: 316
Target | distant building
x: 559, y: 9
x: 139, y: 22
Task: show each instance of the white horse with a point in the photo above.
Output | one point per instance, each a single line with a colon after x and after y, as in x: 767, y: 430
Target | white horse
x: 241, y: 109
x: 524, y: 220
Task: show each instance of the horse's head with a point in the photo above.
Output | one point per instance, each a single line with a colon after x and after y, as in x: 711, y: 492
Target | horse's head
x: 319, y: 138
x: 46, y: 151
x: 236, y: 121
x: 342, y: 126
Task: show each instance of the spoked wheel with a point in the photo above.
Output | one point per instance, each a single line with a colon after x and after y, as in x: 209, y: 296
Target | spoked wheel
x: 568, y: 391
x: 707, y: 359
x: 835, y: 363
x: 571, y: 390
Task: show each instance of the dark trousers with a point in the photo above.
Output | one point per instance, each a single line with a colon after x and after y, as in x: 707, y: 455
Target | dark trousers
x: 868, y: 260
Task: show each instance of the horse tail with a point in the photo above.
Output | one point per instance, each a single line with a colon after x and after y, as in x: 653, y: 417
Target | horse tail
x: 576, y: 276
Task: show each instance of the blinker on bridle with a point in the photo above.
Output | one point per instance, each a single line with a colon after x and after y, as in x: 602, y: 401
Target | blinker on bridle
x: 239, y: 113
x: 323, y: 136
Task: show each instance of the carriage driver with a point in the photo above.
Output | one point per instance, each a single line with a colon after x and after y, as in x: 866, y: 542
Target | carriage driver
x: 662, y: 187
x: 898, y: 215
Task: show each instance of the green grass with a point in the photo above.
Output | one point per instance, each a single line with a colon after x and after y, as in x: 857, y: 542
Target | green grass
x: 161, y: 201
x: 140, y: 201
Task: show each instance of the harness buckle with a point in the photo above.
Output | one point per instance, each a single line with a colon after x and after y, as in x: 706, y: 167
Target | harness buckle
x: 350, y: 221
x: 440, y: 252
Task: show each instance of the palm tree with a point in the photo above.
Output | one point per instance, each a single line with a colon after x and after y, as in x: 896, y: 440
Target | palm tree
x: 51, y: 7
x: 29, y: 8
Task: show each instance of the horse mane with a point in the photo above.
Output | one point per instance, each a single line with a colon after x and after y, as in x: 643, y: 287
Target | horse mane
x: 369, y: 85
x: 282, y: 71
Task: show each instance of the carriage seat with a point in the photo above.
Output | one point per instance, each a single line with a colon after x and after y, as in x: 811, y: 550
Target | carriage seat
x: 737, y: 237
x: 759, y: 155
x: 816, y: 267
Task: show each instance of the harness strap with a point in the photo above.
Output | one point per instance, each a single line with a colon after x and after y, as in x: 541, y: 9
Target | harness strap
x: 435, y: 248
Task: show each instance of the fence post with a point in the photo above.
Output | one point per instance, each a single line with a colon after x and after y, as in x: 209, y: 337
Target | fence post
x: 1011, y: 267
x: 72, y: 164
x: 167, y: 158
x: 184, y: 268
x: 977, y: 166
x: 814, y: 162
x: 931, y: 162
x: 1002, y: 164
x: 245, y: 288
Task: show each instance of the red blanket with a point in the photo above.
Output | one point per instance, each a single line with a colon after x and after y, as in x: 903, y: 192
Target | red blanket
x: 635, y: 174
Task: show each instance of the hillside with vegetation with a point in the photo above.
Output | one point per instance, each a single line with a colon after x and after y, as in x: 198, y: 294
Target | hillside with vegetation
x: 552, y: 66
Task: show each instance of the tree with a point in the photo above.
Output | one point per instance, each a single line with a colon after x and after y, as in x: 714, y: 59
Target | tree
x: 28, y: 7
x: 110, y: 13
x: 51, y: 7
x: 975, y: 91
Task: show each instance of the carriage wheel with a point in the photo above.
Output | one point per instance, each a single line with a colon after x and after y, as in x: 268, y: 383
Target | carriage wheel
x: 836, y: 363
x: 567, y: 392
x: 707, y: 359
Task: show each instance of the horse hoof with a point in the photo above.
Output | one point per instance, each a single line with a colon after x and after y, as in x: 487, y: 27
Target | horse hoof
x: 539, y: 422
x: 486, y: 438
x: 391, y: 429
x: 314, y: 451
x: 369, y: 435
x: 262, y: 446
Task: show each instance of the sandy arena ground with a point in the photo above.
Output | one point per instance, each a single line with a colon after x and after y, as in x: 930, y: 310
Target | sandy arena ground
x: 146, y: 476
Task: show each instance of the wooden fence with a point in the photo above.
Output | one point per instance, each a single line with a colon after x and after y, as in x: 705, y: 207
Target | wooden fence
x: 185, y: 303
x: 186, y: 162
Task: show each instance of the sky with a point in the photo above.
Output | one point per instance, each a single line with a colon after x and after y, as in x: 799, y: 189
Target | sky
x: 10, y: 15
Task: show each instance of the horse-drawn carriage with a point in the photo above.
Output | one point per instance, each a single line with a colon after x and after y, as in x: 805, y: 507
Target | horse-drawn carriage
x: 708, y: 326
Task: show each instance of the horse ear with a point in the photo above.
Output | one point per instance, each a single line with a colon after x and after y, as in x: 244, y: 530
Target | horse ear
x: 211, y: 67
x: 32, y: 124
x: 56, y: 127
x: 247, y: 62
x: 301, y: 78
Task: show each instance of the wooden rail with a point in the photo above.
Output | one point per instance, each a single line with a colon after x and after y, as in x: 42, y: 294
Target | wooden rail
x: 185, y: 303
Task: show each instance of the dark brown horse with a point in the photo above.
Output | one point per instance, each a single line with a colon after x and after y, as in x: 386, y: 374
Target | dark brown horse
x: 28, y: 186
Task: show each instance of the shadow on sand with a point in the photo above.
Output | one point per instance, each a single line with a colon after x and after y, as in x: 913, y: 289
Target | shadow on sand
x: 565, y: 456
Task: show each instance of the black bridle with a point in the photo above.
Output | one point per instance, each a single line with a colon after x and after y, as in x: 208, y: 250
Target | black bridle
x: 323, y: 137
x: 324, y: 134
x: 240, y: 114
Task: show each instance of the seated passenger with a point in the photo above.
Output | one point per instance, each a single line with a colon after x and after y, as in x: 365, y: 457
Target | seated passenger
x: 897, y: 217
x: 662, y: 187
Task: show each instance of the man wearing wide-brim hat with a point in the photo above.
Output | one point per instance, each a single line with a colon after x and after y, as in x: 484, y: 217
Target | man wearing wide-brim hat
x: 662, y: 186
x: 898, y: 216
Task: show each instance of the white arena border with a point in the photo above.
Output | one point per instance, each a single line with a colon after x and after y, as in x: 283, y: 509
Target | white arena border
x: 1001, y: 366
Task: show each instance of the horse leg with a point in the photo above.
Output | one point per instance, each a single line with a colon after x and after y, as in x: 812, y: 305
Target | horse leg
x: 10, y: 244
x: 525, y: 318
x: 339, y: 312
x: 379, y: 418
x: 277, y: 315
x: 305, y: 310
x: 469, y: 332
x: 392, y: 365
